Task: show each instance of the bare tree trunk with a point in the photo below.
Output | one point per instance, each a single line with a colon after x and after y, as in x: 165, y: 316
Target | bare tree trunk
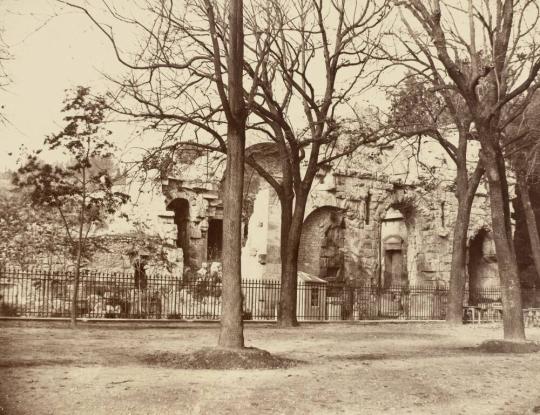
x: 75, y: 294
x: 74, y: 297
x: 232, y: 328
x: 288, y: 269
x: 530, y: 218
x: 458, y: 271
x: 289, y: 265
x: 289, y: 286
x: 286, y: 220
x: 506, y: 259
x: 231, y: 334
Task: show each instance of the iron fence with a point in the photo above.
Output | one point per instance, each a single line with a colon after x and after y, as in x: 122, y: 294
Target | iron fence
x: 39, y: 293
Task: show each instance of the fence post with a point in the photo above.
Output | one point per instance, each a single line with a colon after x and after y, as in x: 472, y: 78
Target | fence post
x: 379, y: 299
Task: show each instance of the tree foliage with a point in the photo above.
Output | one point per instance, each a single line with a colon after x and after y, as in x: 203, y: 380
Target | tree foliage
x: 83, y: 187
x: 81, y: 191
x: 29, y: 237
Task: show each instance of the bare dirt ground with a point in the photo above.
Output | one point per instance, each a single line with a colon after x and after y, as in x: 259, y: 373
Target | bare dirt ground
x: 46, y: 368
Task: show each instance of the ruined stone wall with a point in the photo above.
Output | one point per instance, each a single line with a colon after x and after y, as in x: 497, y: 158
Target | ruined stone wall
x: 115, y: 257
x: 204, y: 204
x: 114, y: 253
x: 362, y: 198
x: 362, y: 201
x: 118, y: 252
x: 255, y: 250
x: 429, y: 218
x: 321, y: 237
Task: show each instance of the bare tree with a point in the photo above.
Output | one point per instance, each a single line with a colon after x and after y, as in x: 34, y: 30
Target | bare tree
x: 232, y: 333
x: 523, y: 154
x: 488, y: 54
x: 421, y: 109
x: 315, y: 56
x: 188, y: 78
x: 305, y: 61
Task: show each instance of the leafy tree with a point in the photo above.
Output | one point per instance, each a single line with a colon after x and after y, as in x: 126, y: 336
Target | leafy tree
x: 81, y: 192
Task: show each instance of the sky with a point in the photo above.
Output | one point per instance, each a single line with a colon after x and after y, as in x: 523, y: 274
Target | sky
x: 52, y: 50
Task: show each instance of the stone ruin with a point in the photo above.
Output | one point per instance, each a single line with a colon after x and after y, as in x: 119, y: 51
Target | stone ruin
x: 377, y: 225
x: 361, y: 225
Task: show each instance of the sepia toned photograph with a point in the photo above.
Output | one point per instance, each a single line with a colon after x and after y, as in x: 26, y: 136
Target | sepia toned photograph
x: 269, y: 207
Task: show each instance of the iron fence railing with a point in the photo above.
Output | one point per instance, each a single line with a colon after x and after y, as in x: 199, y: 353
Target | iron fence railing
x: 39, y: 293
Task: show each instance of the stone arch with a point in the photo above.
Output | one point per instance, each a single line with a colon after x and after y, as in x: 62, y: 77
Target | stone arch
x: 321, y: 244
x: 267, y: 155
x: 324, y: 199
x: 406, y: 208
x: 408, y: 203
x: 393, y: 252
x: 482, y: 265
x: 262, y: 148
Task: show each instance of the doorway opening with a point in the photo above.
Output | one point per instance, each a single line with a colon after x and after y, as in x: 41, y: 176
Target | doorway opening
x: 215, y: 240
